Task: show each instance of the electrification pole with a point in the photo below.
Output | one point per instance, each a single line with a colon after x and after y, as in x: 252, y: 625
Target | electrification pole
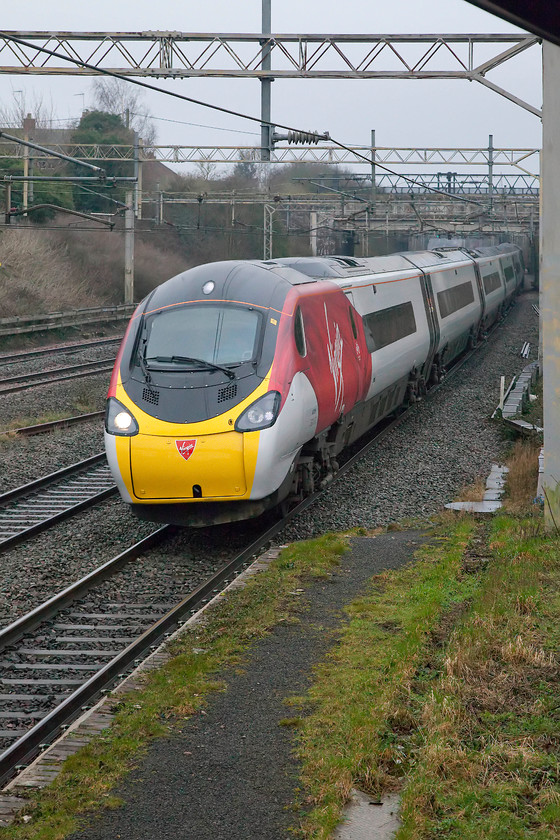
x: 266, y: 83
x: 491, y: 170
x: 129, y: 248
x: 550, y: 282
x: 28, y: 125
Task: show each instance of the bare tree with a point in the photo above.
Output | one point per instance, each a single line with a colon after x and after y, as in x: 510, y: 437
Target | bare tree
x: 247, y: 167
x: 207, y: 169
x: 117, y: 96
x: 13, y: 113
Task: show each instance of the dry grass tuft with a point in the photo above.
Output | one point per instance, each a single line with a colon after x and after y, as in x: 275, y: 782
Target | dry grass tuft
x: 523, y: 474
x: 473, y: 492
x: 520, y: 652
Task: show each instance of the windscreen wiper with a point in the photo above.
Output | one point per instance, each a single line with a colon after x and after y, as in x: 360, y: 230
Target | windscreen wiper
x: 192, y: 360
x: 143, y: 366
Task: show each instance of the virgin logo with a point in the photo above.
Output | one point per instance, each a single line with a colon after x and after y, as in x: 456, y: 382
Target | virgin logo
x: 185, y: 448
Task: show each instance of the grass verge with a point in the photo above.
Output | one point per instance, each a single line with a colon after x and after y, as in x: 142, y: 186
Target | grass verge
x: 488, y: 763
x: 178, y: 690
x: 361, y: 725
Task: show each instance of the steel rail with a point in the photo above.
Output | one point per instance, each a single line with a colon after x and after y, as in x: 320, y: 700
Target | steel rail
x: 24, y: 355
x: 18, y: 492
x: 33, y: 380
x: 29, y: 622
x: 51, y: 425
x: 19, y: 524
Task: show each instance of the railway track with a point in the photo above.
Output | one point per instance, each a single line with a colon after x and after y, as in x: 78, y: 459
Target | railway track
x: 51, y: 425
x: 74, y: 347
x: 36, y: 506
x: 20, y: 382
x: 63, y: 654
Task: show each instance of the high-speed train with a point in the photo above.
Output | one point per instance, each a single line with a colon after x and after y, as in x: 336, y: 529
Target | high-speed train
x: 238, y: 383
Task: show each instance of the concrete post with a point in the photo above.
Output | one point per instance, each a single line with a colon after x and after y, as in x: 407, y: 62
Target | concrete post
x: 28, y: 126
x: 550, y: 281
x: 313, y: 232
x: 138, y: 158
x: 129, y: 248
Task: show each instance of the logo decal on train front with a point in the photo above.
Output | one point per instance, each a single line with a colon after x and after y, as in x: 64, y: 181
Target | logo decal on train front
x: 185, y: 448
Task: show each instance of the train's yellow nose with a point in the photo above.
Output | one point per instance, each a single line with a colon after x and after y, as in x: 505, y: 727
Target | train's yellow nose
x: 171, y: 468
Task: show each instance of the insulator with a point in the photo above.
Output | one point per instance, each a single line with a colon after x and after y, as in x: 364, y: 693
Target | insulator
x: 304, y: 137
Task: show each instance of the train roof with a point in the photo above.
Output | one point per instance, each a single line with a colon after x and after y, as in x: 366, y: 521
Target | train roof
x: 342, y: 267
x: 323, y: 267
x: 431, y: 259
x: 227, y: 280
x: 263, y: 281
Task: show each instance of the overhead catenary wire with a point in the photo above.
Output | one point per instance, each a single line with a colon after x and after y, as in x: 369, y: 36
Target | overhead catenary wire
x: 220, y: 108
x: 195, y: 125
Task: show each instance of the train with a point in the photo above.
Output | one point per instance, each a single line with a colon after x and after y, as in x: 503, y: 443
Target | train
x: 239, y: 383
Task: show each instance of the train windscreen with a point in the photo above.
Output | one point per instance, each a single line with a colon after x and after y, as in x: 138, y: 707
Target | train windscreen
x: 220, y: 335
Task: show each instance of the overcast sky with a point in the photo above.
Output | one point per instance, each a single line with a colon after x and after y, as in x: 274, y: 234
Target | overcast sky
x: 404, y: 113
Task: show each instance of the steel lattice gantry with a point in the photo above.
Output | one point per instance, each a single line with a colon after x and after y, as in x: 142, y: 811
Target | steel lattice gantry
x: 178, y: 55
x: 518, y: 159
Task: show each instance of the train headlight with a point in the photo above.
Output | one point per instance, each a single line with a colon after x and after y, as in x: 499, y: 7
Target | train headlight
x: 119, y: 420
x: 261, y: 414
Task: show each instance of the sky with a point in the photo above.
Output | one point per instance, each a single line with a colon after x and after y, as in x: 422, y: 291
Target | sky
x: 450, y: 113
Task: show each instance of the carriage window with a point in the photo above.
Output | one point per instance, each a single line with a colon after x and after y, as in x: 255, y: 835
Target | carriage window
x: 455, y: 298
x: 508, y: 271
x: 491, y: 282
x: 299, y: 333
x: 352, y: 322
x: 389, y: 325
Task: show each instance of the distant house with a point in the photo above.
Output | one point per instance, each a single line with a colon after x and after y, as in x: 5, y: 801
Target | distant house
x: 155, y: 175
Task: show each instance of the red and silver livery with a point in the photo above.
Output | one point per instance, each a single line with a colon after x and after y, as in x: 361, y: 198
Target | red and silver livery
x: 238, y: 384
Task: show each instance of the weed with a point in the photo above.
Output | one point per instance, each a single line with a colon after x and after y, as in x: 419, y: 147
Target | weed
x: 522, y: 477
